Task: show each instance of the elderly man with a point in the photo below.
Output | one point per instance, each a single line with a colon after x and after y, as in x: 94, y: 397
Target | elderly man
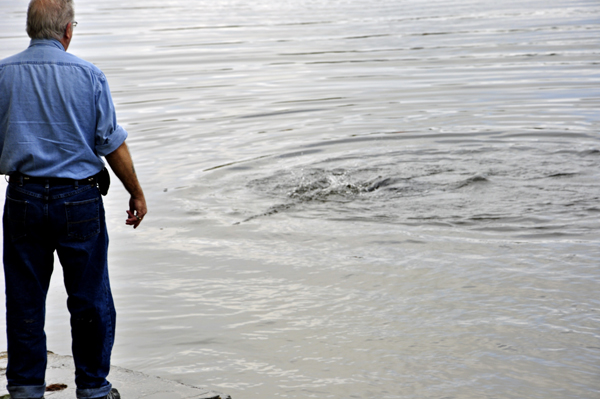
x: 57, y: 120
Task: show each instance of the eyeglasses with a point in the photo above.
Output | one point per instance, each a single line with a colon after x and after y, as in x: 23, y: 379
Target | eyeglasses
x: 73, y: 25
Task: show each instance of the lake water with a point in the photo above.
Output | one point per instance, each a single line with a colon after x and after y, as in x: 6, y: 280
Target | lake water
x: 349, y: 199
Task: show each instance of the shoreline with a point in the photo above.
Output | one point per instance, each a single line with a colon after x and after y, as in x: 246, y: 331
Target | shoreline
x: 131, y: 384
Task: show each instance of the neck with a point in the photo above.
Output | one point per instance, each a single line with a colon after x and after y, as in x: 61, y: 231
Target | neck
x: 65, y: 43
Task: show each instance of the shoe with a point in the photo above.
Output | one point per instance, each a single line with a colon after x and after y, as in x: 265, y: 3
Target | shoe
x: 113, y: 394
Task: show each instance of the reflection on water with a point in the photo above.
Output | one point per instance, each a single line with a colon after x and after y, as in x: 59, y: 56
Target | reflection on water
x: 392, y: 200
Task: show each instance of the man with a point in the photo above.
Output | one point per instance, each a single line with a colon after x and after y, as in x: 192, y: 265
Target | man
x: 57, y: 120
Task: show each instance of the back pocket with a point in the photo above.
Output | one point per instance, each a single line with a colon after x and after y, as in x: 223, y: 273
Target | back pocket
x: 83, y: 218
x: 16, y: 214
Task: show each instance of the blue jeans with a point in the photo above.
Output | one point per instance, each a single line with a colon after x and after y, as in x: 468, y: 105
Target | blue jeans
x: 38, y: 220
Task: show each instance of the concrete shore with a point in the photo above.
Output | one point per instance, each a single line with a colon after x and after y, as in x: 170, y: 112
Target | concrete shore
x: 60, y: 376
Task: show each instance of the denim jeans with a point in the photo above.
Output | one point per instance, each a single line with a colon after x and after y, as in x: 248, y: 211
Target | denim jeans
x: 69, y: 219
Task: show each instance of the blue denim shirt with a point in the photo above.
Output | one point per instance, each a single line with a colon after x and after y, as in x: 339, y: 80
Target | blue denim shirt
x: 57, y: 117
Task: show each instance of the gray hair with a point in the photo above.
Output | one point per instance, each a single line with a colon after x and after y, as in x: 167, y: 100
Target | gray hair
x: 47, y: 19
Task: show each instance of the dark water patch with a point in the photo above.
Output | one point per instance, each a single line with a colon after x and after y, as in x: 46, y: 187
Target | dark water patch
x: 360, y: 186
x: 296, y: 154
x: 488, y: 185
x: 590, y: 152
x: 475, y: 180
x: 380, y: 183
x: 365, y: 37
x: 270, y: 212
x: 561, y: 175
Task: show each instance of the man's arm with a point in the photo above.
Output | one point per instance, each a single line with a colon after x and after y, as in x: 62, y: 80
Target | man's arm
x: 121, y: 163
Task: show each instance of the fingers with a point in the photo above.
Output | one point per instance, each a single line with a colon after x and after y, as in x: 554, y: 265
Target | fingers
x: 134, y: 219
x: 137, y: 211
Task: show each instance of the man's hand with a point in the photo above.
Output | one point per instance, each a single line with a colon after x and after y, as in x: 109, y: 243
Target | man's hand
x: 121, y: 163
x: 137, y: 211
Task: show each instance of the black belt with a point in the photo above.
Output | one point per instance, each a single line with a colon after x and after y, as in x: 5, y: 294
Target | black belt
x: 51, y: 181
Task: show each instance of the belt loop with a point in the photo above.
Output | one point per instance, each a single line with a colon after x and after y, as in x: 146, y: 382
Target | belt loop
x: 47, y: 183
x: 20, y: 180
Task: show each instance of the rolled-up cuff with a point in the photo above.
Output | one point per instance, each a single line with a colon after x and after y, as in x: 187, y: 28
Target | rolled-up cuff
x: 26, y: 391
x: 111, y: 143
x: 93, y: 392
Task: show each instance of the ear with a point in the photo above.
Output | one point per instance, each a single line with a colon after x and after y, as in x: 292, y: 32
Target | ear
x: 67, y: 36
x: 68, y: 31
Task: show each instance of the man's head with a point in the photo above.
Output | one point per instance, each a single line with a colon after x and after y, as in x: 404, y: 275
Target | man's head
x: 49, y: 19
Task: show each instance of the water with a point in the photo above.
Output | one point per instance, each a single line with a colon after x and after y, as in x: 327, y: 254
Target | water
x: 351, y: 200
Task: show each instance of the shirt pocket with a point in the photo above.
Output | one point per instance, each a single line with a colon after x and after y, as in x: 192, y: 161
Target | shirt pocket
x: 16, y: 217
x: 83, y: 218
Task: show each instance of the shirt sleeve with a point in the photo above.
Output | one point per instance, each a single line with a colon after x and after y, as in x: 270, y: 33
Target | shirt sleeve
x: 109, y: 134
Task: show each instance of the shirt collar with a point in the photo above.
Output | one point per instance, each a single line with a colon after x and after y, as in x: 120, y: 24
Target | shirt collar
x: 46, y: 42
